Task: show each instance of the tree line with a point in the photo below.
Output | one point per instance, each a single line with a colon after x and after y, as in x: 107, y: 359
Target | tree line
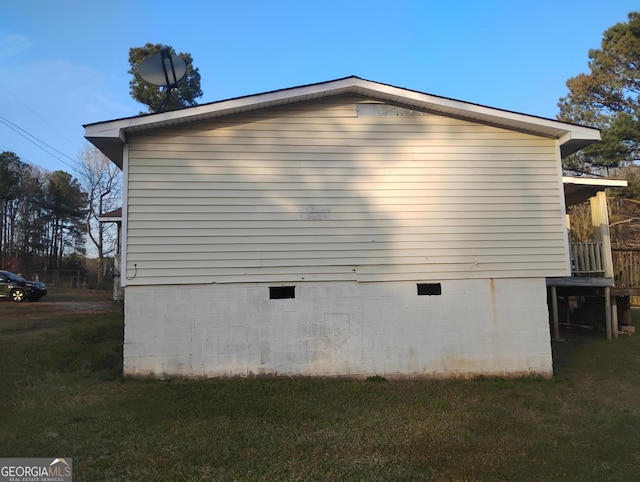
x: 45, y: 217
x: 41, y: 216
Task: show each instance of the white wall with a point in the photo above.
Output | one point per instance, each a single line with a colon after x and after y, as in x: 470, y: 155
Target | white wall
x: 483, y: 326
x: 317, y: 192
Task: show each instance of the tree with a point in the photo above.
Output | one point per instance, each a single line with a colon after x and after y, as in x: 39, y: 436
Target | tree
x: 29, y: 219
x: 66, y: 204
x: 153, y: 96
x: 10, y: 170
x: 101, y: 180
x: 608, y: 97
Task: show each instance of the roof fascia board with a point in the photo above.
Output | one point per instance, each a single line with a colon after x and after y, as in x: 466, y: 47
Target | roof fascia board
x: 468, y: 110
x: 243, y: 104
x: 357, y: 86
x: 589, y: 181
x: 110, y: 219
x: 579, y: 132
x: 108, y: 130
x: 577, y: 136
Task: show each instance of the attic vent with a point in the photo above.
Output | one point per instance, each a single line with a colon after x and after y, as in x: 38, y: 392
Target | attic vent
x: 429, y: 289
x: 282, y: 292
x: 385, y: 110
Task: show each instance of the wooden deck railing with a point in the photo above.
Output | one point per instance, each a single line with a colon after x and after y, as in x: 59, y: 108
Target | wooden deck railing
x: 626, y: 267
x: 586, y: 259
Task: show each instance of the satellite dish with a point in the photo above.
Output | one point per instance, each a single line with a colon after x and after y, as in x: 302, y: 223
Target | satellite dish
x: 163, y: 69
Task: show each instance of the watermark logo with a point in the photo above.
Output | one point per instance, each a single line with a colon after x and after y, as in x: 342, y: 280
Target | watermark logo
x: 36, y: 470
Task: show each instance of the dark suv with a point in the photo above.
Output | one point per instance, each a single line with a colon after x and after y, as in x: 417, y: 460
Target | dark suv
x: 17, y: 288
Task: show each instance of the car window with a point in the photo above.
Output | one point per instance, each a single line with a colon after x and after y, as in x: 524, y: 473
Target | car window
x: 12, y: 277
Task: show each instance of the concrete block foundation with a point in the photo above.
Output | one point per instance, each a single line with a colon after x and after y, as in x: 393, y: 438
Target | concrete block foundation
x: 473, y: 327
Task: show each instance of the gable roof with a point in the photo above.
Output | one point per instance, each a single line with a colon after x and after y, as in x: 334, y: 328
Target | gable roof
x: 110, y: 136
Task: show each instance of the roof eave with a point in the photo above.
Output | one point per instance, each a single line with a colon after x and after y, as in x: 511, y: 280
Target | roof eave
x: 580, y: 189
x: 110, y: 136
x: 577, y: 138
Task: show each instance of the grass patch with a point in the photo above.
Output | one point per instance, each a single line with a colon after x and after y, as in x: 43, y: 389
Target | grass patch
x: 376, y: 379
x: 63, y: 396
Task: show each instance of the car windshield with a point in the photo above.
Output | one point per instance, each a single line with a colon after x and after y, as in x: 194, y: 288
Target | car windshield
x: 12, y: 276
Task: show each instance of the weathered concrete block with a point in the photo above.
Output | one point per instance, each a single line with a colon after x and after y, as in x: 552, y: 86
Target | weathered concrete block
x: 336, y: 329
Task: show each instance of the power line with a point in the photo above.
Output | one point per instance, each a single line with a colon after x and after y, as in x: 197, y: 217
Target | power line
x: 39, y: 143
x: 44, y: 121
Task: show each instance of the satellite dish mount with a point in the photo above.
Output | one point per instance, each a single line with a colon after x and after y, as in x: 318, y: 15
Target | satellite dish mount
x: 163, y: 69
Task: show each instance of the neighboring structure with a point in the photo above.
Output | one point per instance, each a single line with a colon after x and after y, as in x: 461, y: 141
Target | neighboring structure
x: 346, y: 228
x: 115, y: 217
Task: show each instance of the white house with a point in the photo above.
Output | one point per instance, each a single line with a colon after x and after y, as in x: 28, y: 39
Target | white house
x: 346, y: 228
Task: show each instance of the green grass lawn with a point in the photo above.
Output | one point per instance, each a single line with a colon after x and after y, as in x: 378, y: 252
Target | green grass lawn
x: 63, y: 396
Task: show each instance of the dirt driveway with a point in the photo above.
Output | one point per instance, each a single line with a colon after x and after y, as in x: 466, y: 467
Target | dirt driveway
x: 59, y: 304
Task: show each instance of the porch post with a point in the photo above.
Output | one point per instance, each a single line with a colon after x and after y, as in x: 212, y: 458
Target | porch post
x: 554, y: 313
x: 607, y: 312
x: 600, y: 219
x: 614, y: 316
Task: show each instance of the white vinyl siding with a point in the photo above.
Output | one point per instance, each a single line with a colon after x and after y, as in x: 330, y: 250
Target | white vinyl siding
x: 313, y: 192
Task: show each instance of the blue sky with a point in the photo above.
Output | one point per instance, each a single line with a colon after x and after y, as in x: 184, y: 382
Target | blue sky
x: 64, y: 63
